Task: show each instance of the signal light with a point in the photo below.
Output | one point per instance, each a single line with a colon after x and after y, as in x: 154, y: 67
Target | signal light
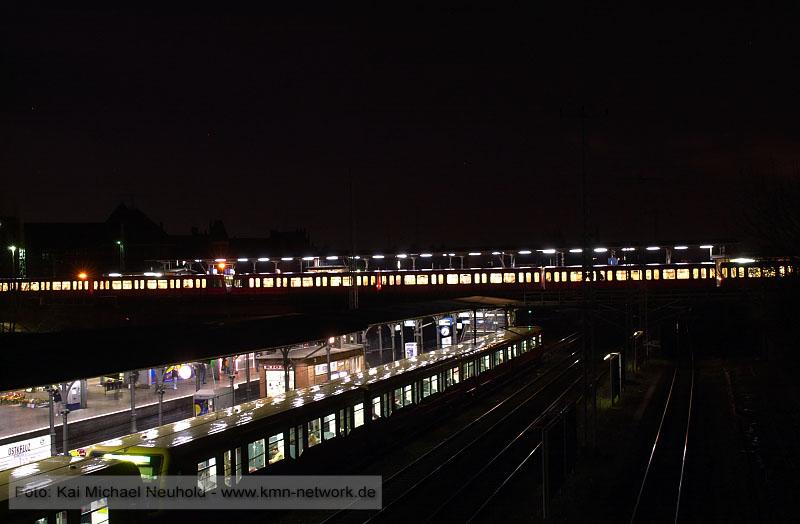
x: 221, y: 266
x: 82, y: 275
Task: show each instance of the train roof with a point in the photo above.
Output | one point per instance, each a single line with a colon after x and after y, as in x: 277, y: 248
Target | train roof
x: 40, y: 473
x: 181, y: 432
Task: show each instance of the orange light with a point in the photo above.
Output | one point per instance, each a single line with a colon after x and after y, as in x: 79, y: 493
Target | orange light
x: 82, y: 275
x: 221, y: 265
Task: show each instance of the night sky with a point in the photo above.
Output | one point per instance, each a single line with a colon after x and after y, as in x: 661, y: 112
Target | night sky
x: 456, y: 125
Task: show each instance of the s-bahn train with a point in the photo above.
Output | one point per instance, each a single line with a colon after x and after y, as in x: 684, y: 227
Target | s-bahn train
x: 703, y: 275
x: 306, y: 429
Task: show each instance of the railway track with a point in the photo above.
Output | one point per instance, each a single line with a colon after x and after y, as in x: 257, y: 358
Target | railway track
x: 659, y: 496
x: 428, y: 483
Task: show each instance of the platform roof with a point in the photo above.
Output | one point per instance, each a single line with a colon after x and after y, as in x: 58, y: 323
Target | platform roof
x: 32, y: 359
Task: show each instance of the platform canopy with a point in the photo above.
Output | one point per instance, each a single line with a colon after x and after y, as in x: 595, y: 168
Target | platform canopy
x: 34, y: 359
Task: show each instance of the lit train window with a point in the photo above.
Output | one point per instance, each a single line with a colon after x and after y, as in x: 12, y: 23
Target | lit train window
x: 441, y: 279
x: 509, y: 278
x: 477, y: 277
x: 733, y: 272
x: 3, y: 286
x: 621, y: 275
x: 696, y: 273
x: 376, y: 408
x: 409, y: 280
x: 451, y: 376
x: 96, y: 512
x: 251, y: 282
x: 724, y: 272
x: 465, y: 278
x: 358, y: 415
x: 384, y: 280
x: 207, y: 474
x: 682, y: 274
x: 372, y: 280
x: 636, y: 274
x: 648, y: 274
x: 495, y: 278
x: 430, y: 385
x: 422, y: 280
x: 528, y: 278
x: 741, y: 272
x: 557, y: 276
x: 521, y: 278
x: 668, y: 274
x: 452, y: 278
x: 257, y: 282
x: 295, y: 282
x: 536, y: 277
x: 162, y: 284
x: 782, y: 271
x: 24, y: 286
x: 127, y: 284
x: 324, y: 281
x: 116, y: 285
x: 754, y: 272
x: 172, y: 284
x: 335, y: 281
x: 469, y: 369
x: 408, y: 396
x: 347, y: 281
x: 203, y: 283
x: 277, y: 451
x: 65, y: 286
x: 34, y: 286
x: 255, y: 455
x: 548, y: 277
x: 391, y: 280
x: 152, y: 284
x: 485, y: 363
x: 609, y: 275
x: 575, y: 276
x: 703, y: 272
x: 768, y: 272
x: 656, y: 274
x: 308, y: 282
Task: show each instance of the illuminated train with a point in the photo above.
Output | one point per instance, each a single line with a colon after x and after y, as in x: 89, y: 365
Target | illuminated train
x: 695, y: 275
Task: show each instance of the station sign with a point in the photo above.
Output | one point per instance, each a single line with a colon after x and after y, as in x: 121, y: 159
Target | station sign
x: 24, y: 452
x: 411, y: 349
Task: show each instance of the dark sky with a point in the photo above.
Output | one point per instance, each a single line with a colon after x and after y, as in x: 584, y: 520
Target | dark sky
x: 457, y: 125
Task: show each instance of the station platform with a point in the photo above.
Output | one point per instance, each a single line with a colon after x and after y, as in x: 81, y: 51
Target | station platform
x: 21, y: 421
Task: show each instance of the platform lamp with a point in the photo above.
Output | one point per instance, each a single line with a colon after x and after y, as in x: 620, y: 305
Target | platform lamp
x: 13, y: 250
